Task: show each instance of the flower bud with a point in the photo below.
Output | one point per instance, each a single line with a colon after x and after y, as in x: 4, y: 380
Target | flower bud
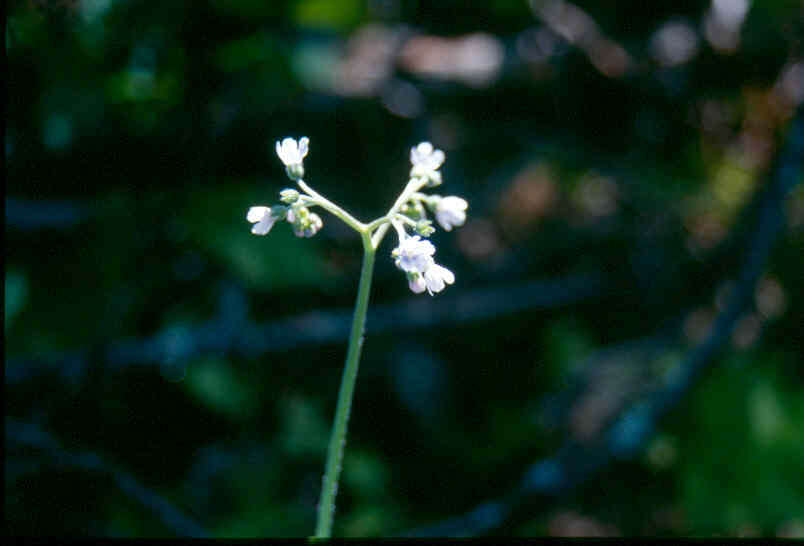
x: 413, y: 210
x: 424, y: 228
x: 289, y: 196
x: 305, y: 223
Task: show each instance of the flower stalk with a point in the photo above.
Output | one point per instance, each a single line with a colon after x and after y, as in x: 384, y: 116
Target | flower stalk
x: 337, y: 442
x: 413, y: 255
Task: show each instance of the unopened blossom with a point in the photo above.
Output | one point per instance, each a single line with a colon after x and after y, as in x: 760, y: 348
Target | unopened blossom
x: 262, y: 218
x: 435, y: 276
x: 451, y: 211
x: 291, y: 153
x: 417, y: 283
x: 289, y: 196
x: 311, y: 226
x: 426, y: 161
x: 305, y: 223
x: 413, y: 255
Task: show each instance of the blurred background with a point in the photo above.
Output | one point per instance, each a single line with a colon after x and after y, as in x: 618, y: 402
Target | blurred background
x: 621, y: 353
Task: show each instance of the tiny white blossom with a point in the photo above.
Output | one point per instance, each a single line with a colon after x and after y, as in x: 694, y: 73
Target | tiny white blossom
x: 426, y: 160
x: 262, y: 219
x: 451, y: 211
x: 435, y: 277
x: 292, y: 153
x: 426, y: 156
x: 413, y: 255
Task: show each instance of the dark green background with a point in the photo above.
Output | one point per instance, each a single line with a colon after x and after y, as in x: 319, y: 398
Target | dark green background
x: 168, y: 373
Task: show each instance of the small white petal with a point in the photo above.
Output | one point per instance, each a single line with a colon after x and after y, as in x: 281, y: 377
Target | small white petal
x: 454, y: 202
x: 303, y: 145
x: 437, y: 159
x: 255, y: 214
x: 279, y: 151
x: 446, y: 274
x: 289, y: 151
x: 436, y: 276
x: 425, y: 148
x: 414, y: 255
x: 263, y: 226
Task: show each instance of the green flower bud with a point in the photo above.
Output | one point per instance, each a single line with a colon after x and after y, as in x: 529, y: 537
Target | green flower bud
x: 424, y: 228
x: 289, y: 196
x: 413, y: 210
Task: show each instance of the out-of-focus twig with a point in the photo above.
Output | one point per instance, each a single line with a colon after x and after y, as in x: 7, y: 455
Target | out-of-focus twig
x: 231, y: 333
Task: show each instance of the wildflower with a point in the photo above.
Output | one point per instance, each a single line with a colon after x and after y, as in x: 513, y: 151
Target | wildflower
x: 292, y: 155
x: 415, y: 258
x: 451, y: 211
x: 426, y: 162
x: 262, y: 218
x: 413, y: 255
x: 435, y: 276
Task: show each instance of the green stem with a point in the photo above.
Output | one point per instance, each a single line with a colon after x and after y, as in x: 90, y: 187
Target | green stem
x: 322, y: 201
x: 326, y: 504
x: 413, y: 186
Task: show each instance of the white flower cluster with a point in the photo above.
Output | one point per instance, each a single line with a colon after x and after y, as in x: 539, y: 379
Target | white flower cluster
x: 415, y: 258
x: 413, y: 255
x: 297, y: 213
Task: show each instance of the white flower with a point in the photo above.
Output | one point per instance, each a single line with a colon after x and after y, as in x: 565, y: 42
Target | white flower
x: 451, y: 211
x: 413, y: 255
x: 290, y: 153
x: 425, y: 156
x: 426, y: 162
x: 262, y: 219
x: 436, y: 276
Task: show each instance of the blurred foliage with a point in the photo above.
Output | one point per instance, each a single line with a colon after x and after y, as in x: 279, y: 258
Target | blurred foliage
x: 195, y: 366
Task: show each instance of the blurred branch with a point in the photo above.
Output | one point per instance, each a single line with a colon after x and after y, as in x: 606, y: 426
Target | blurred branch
x: 576, y: 462
x: 28, y: 435
x: 231, y: 333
